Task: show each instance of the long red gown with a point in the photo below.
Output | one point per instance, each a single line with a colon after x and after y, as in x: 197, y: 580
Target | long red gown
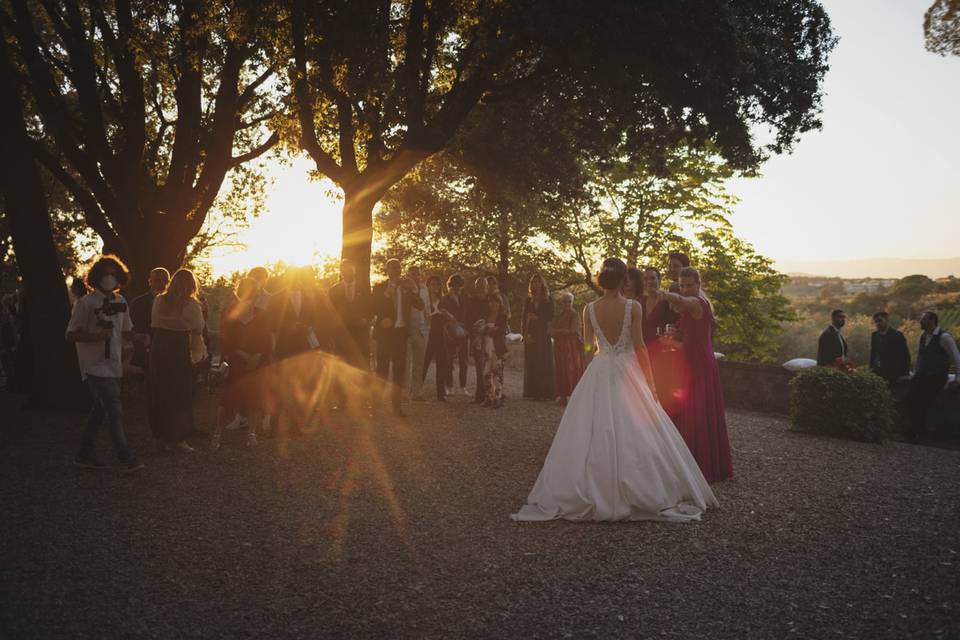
x: 668, y: 364
x: 702, y: 420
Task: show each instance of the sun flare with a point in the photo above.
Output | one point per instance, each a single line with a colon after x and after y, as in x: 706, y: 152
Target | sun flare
x: 301, y: 224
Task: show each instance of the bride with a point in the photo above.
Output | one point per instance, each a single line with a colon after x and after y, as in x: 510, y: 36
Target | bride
x: 616, y: 455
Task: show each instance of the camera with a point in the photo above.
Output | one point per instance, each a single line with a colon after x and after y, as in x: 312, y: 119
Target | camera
x: 107, y: 309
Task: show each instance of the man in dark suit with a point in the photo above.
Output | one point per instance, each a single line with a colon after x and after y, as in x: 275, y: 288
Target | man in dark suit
x: 832, y: 346
x: 141, y: 309
x: 889, y: 354
x: 292, y: 314
x: 392, y: 301
x: 352, y: 308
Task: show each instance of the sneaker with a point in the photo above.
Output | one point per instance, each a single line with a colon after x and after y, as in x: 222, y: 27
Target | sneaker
x: 131, y: 467
x: 88, y: 463
x: 235, y: 424
x: 251, y: 440
x: 464, y: 391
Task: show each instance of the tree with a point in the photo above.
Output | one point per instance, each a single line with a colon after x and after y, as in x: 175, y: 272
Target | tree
x: 56, y: 377
x: 140, y: 106
x: 379, y: 87
x: 941, y: 27
x: 745, y: 291
x: 639, y: 207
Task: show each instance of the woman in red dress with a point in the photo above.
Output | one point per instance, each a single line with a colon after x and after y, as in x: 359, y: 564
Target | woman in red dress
x: 701, y: 418
x: 667, y: 361
x: 567, y: 332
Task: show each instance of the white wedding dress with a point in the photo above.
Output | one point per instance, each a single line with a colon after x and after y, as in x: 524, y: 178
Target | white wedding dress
x: 616, y: 455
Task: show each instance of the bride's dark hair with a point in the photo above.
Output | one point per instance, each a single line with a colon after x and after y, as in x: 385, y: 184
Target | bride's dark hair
x: 612, y: 273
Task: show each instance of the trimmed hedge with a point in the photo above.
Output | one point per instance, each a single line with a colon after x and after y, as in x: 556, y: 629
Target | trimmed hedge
x: 855, y: 405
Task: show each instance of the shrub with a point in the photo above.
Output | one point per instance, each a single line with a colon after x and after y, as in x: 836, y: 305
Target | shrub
x: 856, y: 405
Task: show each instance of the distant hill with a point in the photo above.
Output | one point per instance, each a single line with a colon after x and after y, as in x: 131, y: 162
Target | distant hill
x: 871, y: 267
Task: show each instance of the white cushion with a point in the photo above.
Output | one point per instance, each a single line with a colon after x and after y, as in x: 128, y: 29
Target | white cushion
x: 799, y: 363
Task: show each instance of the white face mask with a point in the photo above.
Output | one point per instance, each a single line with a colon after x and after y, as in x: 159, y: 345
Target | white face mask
x: 108, y: 283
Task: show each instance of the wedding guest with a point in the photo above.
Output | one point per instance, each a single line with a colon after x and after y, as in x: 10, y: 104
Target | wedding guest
x: 938, y: 349
x: 244, y: 344
x: 393, y: 301
x: 352, y: 308
x: 177, y: 326
x: 141, y: 310
x: 98, y: 325
x: 78, y: 289
x: 889, y: 354
x: 666, y: 361
x: 492, y: 335
x: 437, y: 341
x: 293, y: 317
x: 475, y: 312
x: 832, y: 347
x: 538, y: 369
x: 632, y: 284
x: 455, y: 304
x: 676, y: 262
x: 292, y: 313
x: 262, y: 276
x: 493, y: 287
x: 419, y: 329
x: 701, y: 418
x: 566, y: 329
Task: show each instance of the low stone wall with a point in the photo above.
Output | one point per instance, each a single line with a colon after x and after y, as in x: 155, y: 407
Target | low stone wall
x: 756, y: 387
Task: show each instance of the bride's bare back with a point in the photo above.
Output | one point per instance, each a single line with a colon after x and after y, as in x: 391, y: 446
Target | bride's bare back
x: 609, y: 312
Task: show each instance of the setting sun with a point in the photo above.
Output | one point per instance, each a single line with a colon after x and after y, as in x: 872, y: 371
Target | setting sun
x: 300, y: 225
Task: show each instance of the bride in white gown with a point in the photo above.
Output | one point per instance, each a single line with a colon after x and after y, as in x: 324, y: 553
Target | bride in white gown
x: 616, y: 455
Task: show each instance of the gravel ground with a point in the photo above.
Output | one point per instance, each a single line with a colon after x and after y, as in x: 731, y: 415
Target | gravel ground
x: 401, y: 529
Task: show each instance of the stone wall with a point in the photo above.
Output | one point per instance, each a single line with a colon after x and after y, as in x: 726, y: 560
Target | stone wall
x: 756, y: 387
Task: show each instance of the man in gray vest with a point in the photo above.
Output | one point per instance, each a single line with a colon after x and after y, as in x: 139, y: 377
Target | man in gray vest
x: 937, y: 350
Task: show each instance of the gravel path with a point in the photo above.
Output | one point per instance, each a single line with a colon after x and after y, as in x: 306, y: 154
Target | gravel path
x: 401, y: 529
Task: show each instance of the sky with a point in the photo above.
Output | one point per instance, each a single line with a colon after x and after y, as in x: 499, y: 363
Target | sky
x: 881, y: 178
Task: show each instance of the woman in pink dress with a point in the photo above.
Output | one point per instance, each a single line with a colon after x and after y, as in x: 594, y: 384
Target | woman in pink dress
x: 701, y: 418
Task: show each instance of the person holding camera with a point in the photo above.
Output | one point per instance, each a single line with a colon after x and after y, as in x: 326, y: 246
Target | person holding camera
x: 99, y: 324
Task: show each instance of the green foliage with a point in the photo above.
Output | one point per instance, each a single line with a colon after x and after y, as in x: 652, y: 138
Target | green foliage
x: 745, y: 291
x: 832, y: 402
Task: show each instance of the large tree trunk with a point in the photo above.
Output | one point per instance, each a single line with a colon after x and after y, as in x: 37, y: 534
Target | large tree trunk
x: 56, y: 376
x: 147, y: 252
x: 358, y: 230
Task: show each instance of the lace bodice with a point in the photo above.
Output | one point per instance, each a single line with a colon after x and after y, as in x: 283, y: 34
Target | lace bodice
x: 624, y: 343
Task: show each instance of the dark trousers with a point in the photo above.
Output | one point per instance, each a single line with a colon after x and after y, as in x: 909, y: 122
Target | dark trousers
x: 392, y: 360
x: 437, y: 350
x: 479, y: 359
x: 922, y: 392
x: 458, y: 352
x: 107, y: 408
x: 355, y: 347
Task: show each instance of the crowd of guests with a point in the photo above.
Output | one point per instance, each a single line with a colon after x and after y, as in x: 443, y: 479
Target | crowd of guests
x: 890, y: 359
x: 398, y: 329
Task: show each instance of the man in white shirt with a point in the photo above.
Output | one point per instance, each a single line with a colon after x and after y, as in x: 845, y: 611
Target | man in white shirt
x: 393, y: 301
x: 419, y: 329
x: 937, y: 351
x: 99, y: 324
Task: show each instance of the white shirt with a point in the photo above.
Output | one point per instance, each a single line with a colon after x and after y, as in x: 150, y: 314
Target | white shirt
x: 92, y: 355
x: 418, y: 317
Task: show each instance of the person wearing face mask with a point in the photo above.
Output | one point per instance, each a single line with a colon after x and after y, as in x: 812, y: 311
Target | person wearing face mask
x: 99, y: 324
